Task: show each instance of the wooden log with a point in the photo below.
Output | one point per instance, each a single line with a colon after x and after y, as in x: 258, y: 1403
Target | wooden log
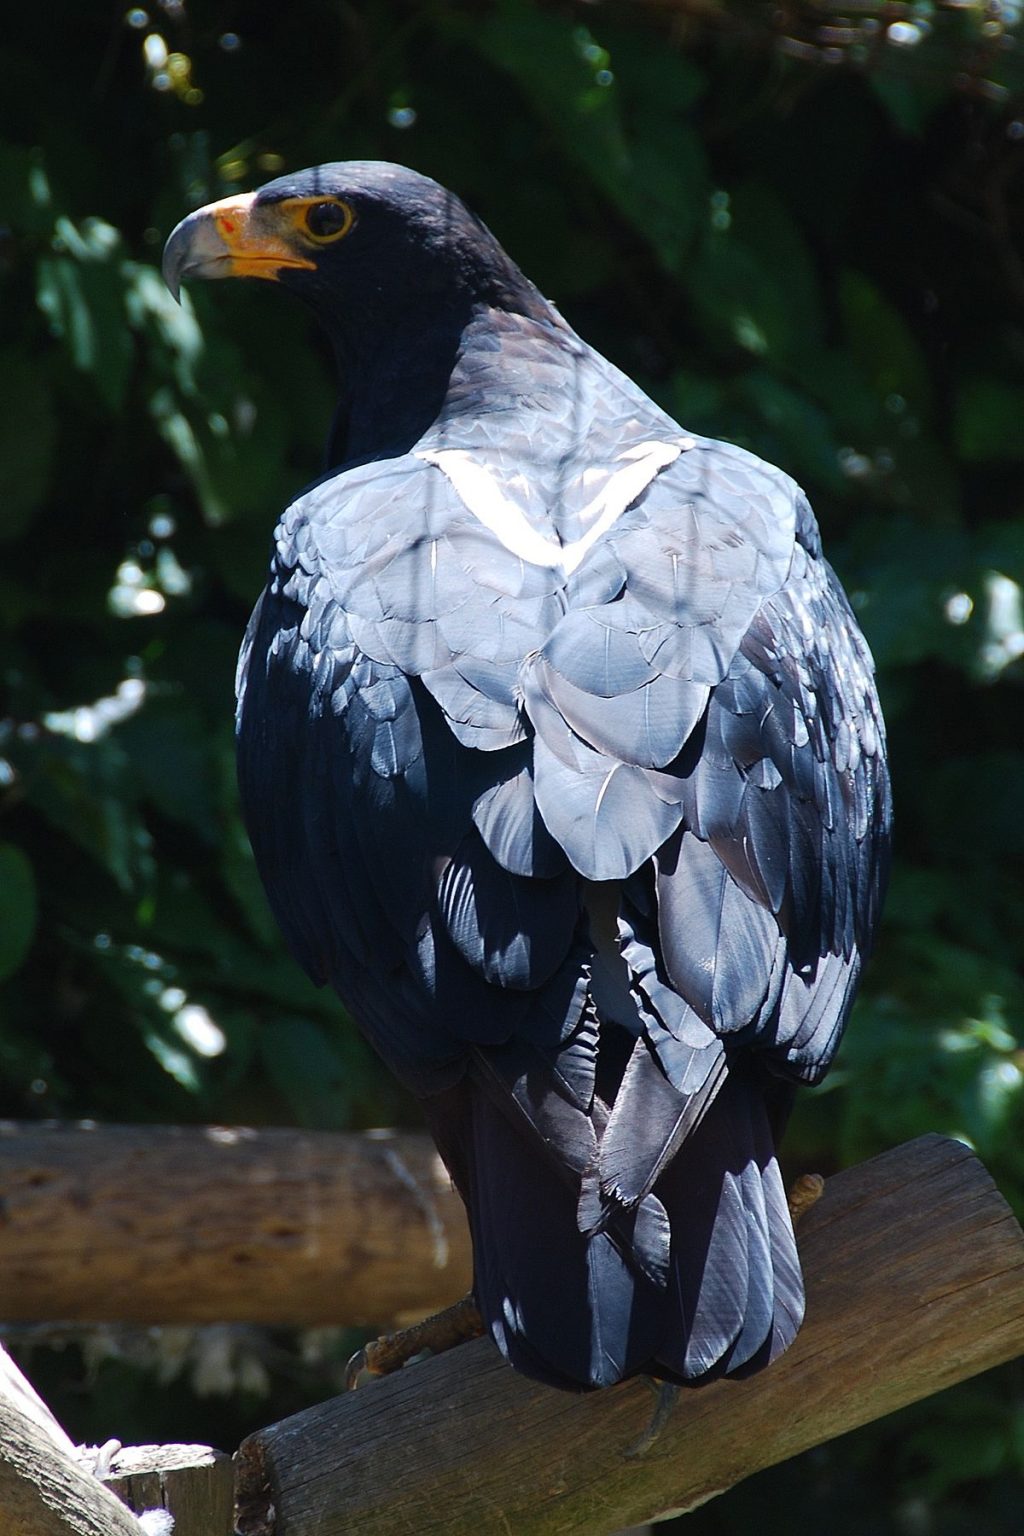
x: 193, y: 1483
x: 44, y: 1488
x: 156, y: 1224
x: 915, y: 1278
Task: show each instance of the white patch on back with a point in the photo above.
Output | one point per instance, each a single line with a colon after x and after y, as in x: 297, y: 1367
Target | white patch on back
x: 486, y: 497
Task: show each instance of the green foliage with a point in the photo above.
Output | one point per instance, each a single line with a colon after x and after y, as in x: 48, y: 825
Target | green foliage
x: 17, y: 908
x: 818, y: 263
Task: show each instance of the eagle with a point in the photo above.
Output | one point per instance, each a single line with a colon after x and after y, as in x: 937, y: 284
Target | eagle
x: 562, y: 762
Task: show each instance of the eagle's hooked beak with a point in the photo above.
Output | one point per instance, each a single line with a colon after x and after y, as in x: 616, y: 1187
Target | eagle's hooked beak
x: 234, y: 237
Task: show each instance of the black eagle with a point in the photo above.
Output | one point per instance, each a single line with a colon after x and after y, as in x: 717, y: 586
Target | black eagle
x: 562, y: 761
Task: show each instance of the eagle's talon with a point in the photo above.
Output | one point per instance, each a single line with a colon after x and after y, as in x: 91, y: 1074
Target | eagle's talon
x: 803, y: 1193
x: 435, y: 1334
x: 357, y: 1367
x: 666, y: 1392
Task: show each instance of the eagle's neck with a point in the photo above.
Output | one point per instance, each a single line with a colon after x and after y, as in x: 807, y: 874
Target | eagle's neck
x: 391, y: 388
x: 397, y: 381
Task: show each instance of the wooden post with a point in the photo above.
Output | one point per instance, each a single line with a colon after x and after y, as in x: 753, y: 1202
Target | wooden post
x: 915, y: 1277
x: 193, y: 1483
x: 157, y: 1224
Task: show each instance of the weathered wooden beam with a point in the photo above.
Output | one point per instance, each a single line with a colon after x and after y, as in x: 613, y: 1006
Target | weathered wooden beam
x: 915, y: 1276
x: 44, y: 1488
x: 157, y: 1224
x: 193, y: 1483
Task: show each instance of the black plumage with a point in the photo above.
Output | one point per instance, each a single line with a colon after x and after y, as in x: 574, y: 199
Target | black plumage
x: 562, y: 762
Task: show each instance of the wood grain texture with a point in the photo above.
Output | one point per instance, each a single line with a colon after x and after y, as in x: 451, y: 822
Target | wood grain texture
x: 156, y: 1224
x: 915, y: 1275
x: 18, y: 1392
x: 44, y: 1490
x: 192, y: 1482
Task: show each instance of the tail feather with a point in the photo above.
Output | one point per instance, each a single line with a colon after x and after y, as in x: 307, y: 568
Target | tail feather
x: 740, y: 1291
x: 562, y: 1307
x: 759, y: 1310
x: 700, y: 1280
x: 712, y: 1280
x: 788, y: 1294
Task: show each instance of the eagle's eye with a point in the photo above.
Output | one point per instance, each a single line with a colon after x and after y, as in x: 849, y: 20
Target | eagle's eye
x: 329, y: 220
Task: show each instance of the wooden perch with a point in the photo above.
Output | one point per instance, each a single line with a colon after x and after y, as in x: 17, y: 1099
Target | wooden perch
x: 915, y: 1277
x: 44, y: 1489
x: 156, y: 1224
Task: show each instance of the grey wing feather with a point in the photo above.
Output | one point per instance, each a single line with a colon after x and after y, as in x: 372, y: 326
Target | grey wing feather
x: 508, y: 820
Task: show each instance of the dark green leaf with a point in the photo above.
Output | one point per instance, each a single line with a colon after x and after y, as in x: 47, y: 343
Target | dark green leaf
x: 308, y: 1067
x: 81, y: 291
x: 990, y: 420
x: 882, y: 342
x: 18, y: 905
x: 28, y: 431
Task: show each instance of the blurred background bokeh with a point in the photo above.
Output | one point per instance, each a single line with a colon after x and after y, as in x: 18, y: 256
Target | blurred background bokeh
x: 799, y: 228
